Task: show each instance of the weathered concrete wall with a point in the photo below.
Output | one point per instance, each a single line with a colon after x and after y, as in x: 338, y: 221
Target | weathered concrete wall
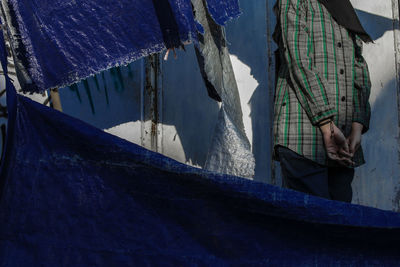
x: 377, y: 183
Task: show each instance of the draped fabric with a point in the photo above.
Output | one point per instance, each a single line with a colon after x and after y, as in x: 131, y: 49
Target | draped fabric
x: 343, y: 12
x: 230, y: 151
x: 57, y: 43
x: 72, y: 195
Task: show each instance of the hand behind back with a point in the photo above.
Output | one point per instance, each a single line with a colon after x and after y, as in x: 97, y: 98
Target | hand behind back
x: 336, y: 145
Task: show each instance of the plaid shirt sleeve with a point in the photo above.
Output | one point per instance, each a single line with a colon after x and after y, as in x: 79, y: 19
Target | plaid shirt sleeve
x: 310, y: 85
x: 362, y: 88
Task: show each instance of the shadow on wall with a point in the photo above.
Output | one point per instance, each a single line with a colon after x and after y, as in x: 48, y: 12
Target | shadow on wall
x: 375, y: 25
x: 247, y: 39
x: 187, y: 107
x: 377, y: 182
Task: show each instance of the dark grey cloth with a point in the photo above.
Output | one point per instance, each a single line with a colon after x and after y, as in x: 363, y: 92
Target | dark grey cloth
x: 304, y: 175
x: 344, y: 14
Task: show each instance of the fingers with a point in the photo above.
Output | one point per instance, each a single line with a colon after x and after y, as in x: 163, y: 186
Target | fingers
x: 345, y: 147
x: 342, y: 143
x: 340, y: 149
x: 347, y: 162
x: 345, y: 153
x: 351, y: 149
x: 352, y: 146
x: 344, y: 161
x: 333, y: 156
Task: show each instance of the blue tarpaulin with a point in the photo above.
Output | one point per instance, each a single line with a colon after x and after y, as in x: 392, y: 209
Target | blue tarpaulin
x: 59, y: 42
x: 72, y: 195
x: 223, y: 11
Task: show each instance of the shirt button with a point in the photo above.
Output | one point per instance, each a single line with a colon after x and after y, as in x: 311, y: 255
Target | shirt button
x: 341, y: 71
x: 339, y: 44
x: 343, y: 98
x: 283, y: 104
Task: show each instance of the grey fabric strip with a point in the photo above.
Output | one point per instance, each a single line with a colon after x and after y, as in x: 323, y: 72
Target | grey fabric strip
x: 230, y: 151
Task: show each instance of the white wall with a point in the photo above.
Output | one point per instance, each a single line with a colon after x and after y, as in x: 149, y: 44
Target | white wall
x: 377, y: 183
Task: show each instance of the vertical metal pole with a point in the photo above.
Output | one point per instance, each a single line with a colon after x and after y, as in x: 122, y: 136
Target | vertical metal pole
x: 396, y: 32
x: 55, y: 99
x: 271, y: 87
x: 396, y: 29
x: 152, y: 104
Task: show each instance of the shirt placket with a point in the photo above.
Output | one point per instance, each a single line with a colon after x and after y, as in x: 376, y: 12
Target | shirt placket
x: 344, y: 54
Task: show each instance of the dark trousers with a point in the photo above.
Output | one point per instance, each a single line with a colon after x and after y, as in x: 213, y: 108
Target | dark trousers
x: 304, y: 175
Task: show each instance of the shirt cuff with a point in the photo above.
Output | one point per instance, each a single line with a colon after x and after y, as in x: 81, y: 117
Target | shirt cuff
x: 321, y: 116
x: 361, y: 118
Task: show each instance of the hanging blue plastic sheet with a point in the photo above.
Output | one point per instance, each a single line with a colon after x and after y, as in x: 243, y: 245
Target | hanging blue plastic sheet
x: 72, y: 195
x: 223, y: 11
x: 57, y: 43
x: 61, y: 42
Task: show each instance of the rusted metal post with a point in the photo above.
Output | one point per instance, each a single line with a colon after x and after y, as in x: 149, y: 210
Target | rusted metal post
x: 55, y: 99
x: 152, y: 104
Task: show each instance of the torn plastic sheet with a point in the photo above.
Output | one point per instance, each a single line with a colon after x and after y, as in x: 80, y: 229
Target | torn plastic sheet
x: 230, y: 151
x: 57, y: 43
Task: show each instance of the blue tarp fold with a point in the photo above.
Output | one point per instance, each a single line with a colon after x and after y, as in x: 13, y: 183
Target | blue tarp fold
x: 223, y: 11
x: 62, y: 42
x: 72, y: 195
x: 57, y: 43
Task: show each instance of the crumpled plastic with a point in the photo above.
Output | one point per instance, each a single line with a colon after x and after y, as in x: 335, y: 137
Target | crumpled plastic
x: 230, y: 150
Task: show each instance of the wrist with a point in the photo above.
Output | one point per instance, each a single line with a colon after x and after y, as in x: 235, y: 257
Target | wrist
x: 357, y: 127
x: 326, y: 126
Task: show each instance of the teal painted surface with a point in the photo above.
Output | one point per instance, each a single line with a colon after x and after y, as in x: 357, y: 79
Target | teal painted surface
x: 108, y: 99
x: 377, y: 183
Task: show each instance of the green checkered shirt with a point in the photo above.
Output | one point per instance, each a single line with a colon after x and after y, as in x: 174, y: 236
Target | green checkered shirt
x: 322, y: 75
